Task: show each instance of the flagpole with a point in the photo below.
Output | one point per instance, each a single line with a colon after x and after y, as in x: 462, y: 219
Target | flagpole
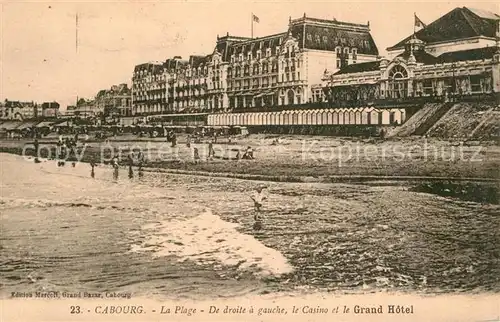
x: 252, y: 24
x: 414, y: 23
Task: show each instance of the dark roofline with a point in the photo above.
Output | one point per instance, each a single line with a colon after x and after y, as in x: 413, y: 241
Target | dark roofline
x: 409, y: 37
x: 482, y: 17
x: 259, y: 39
x: 363, y: 67
x: 336, y: 23
x: 437, y: 20
x: 467, y: 55
x: 148, y: 64
x: 229, y: 38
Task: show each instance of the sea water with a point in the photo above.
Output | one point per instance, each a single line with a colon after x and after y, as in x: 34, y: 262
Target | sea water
x: 177, y: 236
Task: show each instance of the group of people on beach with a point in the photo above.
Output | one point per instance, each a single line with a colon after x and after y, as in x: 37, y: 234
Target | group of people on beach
x: 132, y: 159
x: 248, y: 153
x: 66, y: 150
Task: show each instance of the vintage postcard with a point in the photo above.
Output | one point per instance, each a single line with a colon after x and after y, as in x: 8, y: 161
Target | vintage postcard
x: 249, y: 161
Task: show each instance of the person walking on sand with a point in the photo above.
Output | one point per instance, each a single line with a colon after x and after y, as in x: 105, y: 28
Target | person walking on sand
x: 211, y: 152
x: 92, y: 173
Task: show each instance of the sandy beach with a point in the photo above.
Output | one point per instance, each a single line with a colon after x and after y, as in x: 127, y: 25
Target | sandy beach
x: 297, y: 158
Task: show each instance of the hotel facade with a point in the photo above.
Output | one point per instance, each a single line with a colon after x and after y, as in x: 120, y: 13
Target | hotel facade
x: 253, y: 74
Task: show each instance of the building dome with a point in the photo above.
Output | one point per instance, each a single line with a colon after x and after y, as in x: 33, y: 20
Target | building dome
x: 415, y: 44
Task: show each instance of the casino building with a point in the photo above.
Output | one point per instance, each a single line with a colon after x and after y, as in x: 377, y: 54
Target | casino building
x: 455, y: 57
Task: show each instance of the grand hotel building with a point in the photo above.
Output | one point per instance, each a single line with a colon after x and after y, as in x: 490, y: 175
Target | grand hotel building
x: 260, y: 74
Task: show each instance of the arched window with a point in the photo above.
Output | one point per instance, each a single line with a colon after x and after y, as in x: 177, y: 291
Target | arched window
x: 398, y: 72
x: 398, y: 82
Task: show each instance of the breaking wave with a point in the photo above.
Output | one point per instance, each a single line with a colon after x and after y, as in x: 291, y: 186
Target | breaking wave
x: 207, y: 239
x: 38, y: 203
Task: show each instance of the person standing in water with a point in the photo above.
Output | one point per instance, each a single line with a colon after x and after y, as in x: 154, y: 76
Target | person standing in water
x: 114, y: 163
x: 174, y: 140
x: 258, y: 198
x: 130, y: 164
x: 211, y: 151
x: 140, y: 160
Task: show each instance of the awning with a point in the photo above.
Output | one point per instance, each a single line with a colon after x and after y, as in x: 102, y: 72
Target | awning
x: 26, y: 125
x: 44, y: 124
x: 260, y: 95
x: 63, y: 124
x: 10, y: 125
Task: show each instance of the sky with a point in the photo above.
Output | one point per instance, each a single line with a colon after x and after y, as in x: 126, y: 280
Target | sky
x: 40, y: 60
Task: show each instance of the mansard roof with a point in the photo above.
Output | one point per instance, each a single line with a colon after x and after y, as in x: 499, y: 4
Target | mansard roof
x: 102, y: 92
x: 359, y: 68
x: 457, y: 24
x: 224, y: 45
x: 18, y: 104
x: 311, y: 33
x: 253, y: 45
x: 471, y: 54
x: 151, y: 67
x: 46, y: 105
x: 319, y: 34
x: 197, y: 60
x: 421, y: 56
x: 176, y: 63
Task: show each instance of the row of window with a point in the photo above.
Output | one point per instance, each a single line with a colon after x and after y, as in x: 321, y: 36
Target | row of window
x: 286, y: 66
x: 249, y: 55
x: 346, y: 51
x: 190, y: 72
x: 236, y: 72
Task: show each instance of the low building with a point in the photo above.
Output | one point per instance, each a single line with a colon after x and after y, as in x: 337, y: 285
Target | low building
x: 17, y: 110
x: 70, y: 110
x: 49, y: 109
x: 115, y: 102
x: 86, y: 108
